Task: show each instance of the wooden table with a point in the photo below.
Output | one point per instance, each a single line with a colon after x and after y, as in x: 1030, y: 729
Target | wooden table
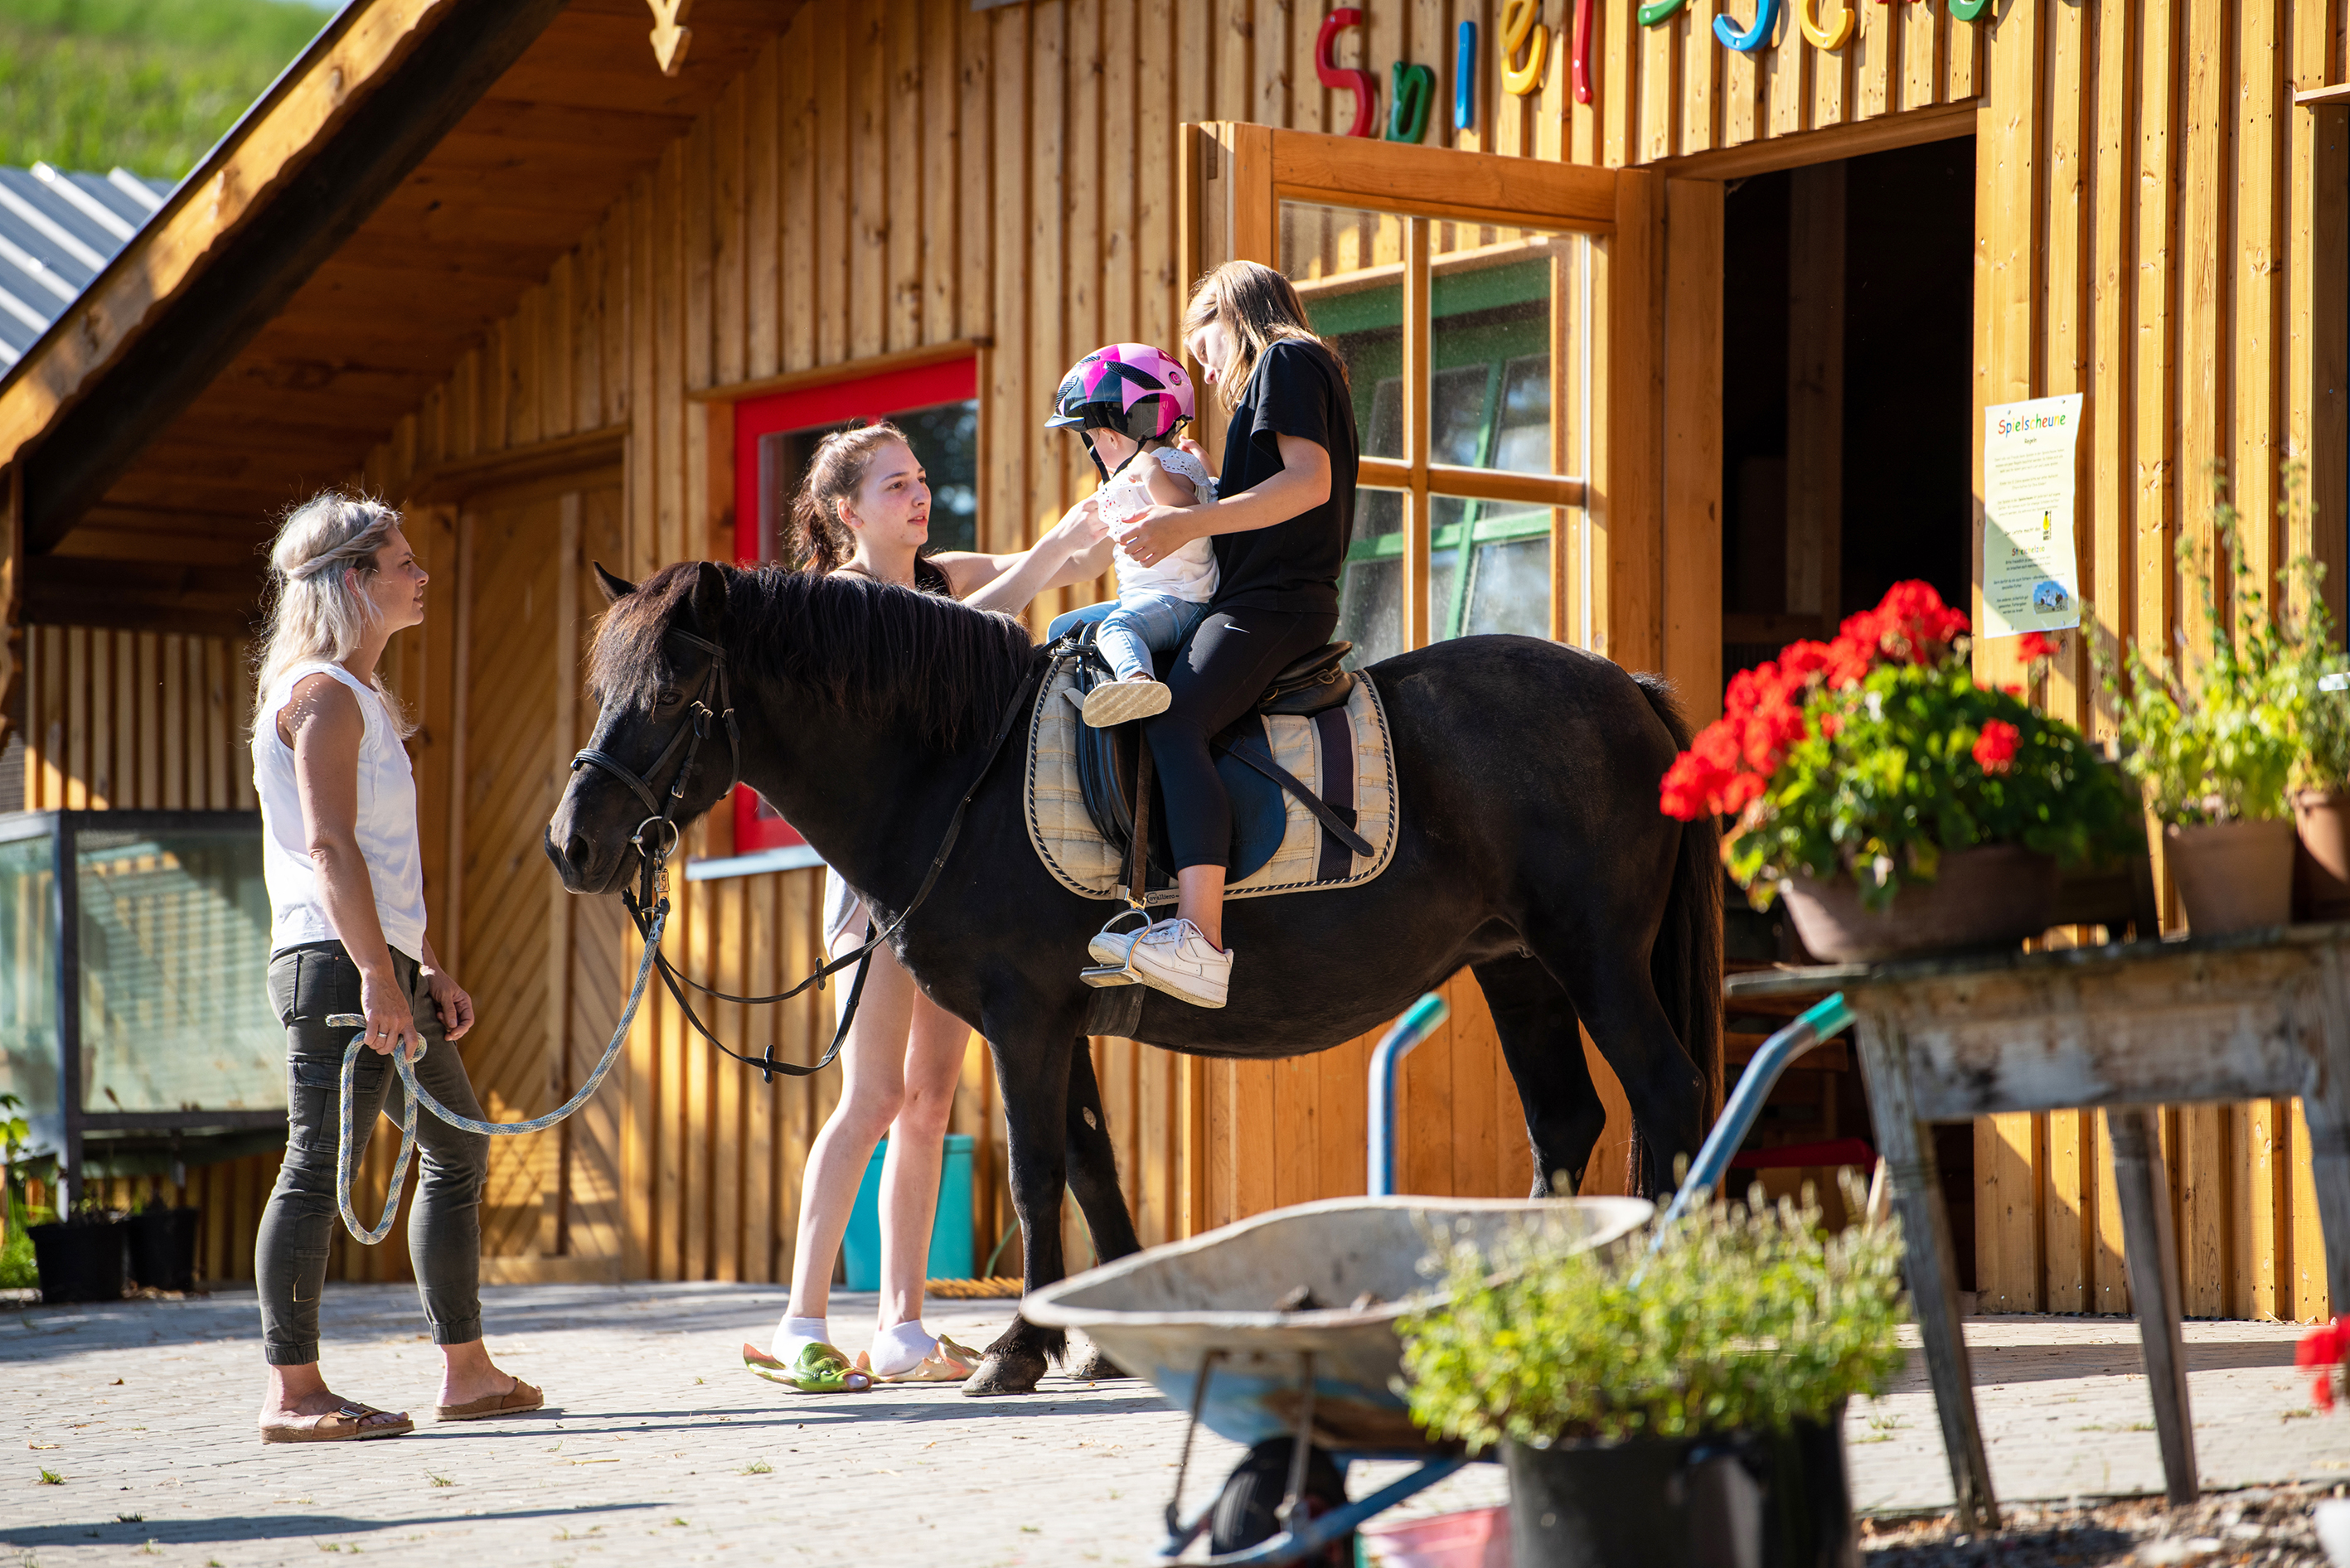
x: 2130, y: 1028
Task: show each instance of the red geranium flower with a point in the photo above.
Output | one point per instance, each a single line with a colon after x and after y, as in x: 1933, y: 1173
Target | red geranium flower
x: 1995, y: 747
x: 2035, y: 647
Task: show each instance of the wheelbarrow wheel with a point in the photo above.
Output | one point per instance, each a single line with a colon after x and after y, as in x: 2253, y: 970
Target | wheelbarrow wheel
x: 1248, y: 1510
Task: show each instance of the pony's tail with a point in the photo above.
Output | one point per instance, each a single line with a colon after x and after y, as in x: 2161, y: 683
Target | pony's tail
x: 1686, y: 963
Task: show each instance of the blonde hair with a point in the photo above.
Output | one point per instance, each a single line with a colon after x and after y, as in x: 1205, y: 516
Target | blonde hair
x: 1259, y: 307
x: 317, y: 613
x: 817, y: 540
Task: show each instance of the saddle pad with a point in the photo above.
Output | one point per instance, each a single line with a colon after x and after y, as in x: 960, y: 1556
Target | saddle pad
x: 1073, y: 849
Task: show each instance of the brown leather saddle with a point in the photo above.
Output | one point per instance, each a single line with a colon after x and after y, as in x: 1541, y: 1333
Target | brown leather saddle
x: 1112, y: 762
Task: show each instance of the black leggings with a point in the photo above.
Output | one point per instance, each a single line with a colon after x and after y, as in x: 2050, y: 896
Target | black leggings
x: 1218, y: 676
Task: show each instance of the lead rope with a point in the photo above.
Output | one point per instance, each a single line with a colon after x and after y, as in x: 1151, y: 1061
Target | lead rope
x: 405, y: 1061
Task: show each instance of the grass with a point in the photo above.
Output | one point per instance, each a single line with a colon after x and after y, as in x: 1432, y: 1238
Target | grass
x: 758, y: 1468
x: 51, y: 1478
x: 147, y: 84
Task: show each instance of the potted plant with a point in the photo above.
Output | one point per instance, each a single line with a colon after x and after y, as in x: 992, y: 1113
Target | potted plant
x: 1680, y: 1406
x: 81, y: 1255
x: 163, y: 1246
x: 1900, y: 805
x: 16, y: 1270
x: 2218, y: 736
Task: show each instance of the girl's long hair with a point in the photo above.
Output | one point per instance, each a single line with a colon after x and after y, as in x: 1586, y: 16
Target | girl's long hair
x: 316, y: 613
x: 1259, y: 307
x: 817, y: 540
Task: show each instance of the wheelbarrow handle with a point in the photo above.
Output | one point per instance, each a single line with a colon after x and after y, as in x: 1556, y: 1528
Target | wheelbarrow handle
x: 1418, y: 1021
x: 1830, y: 1018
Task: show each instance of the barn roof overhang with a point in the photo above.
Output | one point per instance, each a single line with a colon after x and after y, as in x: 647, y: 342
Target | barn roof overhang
x: 393, y: 194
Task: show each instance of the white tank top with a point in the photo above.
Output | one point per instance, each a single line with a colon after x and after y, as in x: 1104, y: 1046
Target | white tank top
x: 387, y: 826
x: 1190, y: 572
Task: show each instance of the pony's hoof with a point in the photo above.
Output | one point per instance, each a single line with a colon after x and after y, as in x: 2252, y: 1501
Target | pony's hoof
x: 1099, y: 1368
x: 1005, y: 1373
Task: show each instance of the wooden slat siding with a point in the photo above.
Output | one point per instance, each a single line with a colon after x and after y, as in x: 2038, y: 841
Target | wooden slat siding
x: 2317, y: 240
x: 2064, y: 358
x: 2136, y: 327
x: 1692, y: 468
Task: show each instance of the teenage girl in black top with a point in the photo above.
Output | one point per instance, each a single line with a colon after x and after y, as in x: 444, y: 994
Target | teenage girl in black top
x: 1287, y: 502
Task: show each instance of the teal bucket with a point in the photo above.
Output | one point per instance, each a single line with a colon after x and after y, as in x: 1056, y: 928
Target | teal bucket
x: 950, y: 1255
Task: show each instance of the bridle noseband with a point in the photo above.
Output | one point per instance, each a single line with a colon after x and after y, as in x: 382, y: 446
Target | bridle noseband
x: 701, y: 717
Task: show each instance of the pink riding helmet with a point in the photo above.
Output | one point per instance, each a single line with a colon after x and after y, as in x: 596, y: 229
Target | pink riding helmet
x: 1133, y: 388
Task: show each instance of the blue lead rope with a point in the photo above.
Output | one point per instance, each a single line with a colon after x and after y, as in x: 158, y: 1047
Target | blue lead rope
x: 405, y: 1058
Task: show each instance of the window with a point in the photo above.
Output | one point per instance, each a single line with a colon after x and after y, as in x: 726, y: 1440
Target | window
x: 936, y: 407
x: 1487, y: 405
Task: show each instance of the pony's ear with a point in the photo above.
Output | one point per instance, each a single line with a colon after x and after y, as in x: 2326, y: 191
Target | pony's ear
x: 709, y: 600
x: 615, y: 589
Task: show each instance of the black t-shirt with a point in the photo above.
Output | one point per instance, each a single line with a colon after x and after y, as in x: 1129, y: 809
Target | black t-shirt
x: 1296, y: 389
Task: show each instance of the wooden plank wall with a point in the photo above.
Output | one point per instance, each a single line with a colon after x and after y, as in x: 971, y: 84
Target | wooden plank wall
x: 891, y: 175
x: 2162, y: 229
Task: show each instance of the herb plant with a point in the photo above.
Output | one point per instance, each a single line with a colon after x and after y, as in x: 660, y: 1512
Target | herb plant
x: 16, y: 1269
x: 2221, y: 732
x: 1876, y: 754
x: 1748, y: 1318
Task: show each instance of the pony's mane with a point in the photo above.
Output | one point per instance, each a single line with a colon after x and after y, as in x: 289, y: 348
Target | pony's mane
x: 868, y: 650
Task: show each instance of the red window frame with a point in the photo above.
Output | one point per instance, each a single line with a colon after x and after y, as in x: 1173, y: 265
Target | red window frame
x: 859, y: 397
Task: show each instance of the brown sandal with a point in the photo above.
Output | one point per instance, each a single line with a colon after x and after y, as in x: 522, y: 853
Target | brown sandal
x: 344, y: 1424
x: 516, y: 1401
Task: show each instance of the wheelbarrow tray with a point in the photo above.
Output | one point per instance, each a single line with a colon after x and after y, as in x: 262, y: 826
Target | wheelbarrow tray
x: 1161, y: 1314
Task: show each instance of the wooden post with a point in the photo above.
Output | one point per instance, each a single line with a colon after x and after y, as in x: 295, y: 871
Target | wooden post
x: 2150, y: 1246
x: 1908, y: 1146
x: 1692, y: 440
x: 1815, y: 230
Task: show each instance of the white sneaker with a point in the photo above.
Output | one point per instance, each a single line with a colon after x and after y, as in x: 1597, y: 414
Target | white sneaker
x: 1117, y: 702
x: 1173, y: 956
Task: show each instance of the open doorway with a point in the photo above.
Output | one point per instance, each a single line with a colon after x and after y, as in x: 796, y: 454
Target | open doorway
x: 1847, y: 394
x: 1847, y: 458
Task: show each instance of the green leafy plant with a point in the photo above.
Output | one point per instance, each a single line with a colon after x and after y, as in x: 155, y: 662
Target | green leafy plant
x: 2221, y: 732
x: 1747, y: 1317
x: 16, y: 1268
x: 1874, y: 755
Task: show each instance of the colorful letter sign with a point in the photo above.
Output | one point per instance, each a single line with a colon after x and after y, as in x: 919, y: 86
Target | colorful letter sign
x: 1327, y: 68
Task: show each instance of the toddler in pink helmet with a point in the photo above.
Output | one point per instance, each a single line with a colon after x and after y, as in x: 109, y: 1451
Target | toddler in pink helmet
x: 1128, y: 401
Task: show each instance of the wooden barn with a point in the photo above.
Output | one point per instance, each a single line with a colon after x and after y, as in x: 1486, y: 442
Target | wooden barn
x: 1672, y: 335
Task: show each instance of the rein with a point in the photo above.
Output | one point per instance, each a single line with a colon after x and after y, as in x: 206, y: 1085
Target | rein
x: 649, y: 909
x: 648, y: 905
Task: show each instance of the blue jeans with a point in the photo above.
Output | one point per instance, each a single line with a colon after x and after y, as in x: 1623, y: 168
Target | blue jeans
x: 1131, y: 629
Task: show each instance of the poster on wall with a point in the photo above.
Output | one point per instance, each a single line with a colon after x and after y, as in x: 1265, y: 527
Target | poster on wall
x: 2030, y: 577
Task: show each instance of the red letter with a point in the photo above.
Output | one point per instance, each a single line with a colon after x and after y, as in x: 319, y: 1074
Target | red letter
x: 1325, y: 67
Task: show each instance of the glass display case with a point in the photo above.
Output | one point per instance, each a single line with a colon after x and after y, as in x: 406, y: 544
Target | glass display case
x: 156, y: 924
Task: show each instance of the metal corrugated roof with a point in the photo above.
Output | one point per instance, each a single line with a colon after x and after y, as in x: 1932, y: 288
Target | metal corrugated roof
x: 57, y: 230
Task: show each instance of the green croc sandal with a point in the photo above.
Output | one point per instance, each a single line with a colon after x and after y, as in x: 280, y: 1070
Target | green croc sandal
x: 818, y: 1369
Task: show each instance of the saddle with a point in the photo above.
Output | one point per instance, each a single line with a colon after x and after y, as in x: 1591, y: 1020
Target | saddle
x: 1113, y: 768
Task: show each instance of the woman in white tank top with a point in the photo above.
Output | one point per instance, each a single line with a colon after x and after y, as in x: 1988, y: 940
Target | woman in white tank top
x: 342, y: 861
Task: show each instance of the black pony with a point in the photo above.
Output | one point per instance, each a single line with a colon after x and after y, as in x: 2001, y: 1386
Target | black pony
x: 1530, y: 848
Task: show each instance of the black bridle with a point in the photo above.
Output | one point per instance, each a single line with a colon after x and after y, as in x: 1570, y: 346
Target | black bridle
x: 648, y: 903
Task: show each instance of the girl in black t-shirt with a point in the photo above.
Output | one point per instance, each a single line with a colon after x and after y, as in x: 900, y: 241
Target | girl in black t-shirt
x: 1287, y: 499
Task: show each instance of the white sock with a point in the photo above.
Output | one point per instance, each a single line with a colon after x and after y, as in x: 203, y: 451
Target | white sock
x: 901, y: 1349
x: 793, y: 1334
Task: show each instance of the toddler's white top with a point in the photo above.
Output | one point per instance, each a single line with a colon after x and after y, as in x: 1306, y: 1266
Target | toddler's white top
x: 385, y: 828
x: 1190, y: 572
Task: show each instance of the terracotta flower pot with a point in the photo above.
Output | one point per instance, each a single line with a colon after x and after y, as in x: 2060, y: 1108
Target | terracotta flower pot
x: 1992, y: 895
x: 2232, y: 875
x: 2320, y: 862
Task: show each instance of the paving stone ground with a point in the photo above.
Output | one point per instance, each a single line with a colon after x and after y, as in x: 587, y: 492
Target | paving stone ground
x: 659, y: 1443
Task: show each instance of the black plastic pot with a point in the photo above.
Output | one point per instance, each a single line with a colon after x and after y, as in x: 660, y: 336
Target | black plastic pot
x: 1737, y: 1501
x: 82, y: 1261
x: 163, y: 1248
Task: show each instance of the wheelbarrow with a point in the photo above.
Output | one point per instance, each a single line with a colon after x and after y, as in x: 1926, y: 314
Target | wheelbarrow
x: 1279, y: 1332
